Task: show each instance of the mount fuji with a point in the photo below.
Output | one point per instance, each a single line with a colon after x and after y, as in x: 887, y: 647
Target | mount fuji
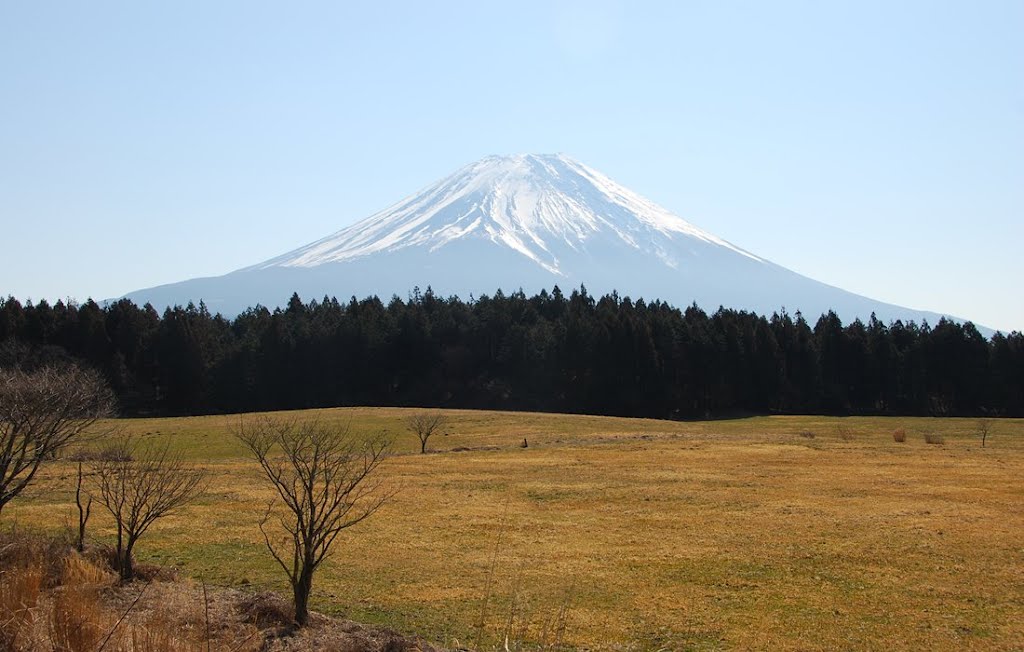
x: 529, y: 222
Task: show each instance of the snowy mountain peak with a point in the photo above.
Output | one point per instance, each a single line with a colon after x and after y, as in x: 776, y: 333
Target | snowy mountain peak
x: 548, y: 208
x: 527, y: 222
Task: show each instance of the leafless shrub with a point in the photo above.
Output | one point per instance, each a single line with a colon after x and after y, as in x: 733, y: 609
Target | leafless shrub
x: 325, y: 482
x: 807, y: 434
x: 139, y: 486
x: 933, y: 438
x: 25, y: 550
x: 114, y: 452
x: 899, y: 435
x: 984, y: 429
x: 424, y: 425
x: 41, y: 413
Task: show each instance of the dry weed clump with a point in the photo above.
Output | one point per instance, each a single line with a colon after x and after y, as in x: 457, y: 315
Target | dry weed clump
x: 72, y: 602
x: 844, y: 433
x: 807, y: 434
x: 933, y: 438
x: 76, y: 620
x: 53, y: 599
x: 20, y: 589
x: 21, y: 550
x: 899, y: 435
x: 266, y: 609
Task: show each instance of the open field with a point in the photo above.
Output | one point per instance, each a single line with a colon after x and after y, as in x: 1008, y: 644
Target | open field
x: 677, y: 535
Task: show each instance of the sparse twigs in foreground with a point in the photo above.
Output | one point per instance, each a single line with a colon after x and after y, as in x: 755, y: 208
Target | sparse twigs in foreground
x: 325, y: 480
x: 42, y: 412
x: 424, y: 425
x: 524, y: 618
x: 140, y: 485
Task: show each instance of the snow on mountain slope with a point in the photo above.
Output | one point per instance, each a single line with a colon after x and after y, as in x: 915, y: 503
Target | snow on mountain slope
x: 526, y: 222
x: 544, y: 207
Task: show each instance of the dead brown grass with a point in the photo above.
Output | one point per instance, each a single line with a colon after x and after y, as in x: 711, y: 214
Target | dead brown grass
x: 19, y: 594
x: 82, y: 608
x: 700, y: 535
x: 53, y: 599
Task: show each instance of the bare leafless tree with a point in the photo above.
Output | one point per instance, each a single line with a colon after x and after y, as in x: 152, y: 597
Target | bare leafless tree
x: 424, y: 425
x: 984, y: 429
x: 41, y: 413
x: 139, y: 485
x: 325, y: 482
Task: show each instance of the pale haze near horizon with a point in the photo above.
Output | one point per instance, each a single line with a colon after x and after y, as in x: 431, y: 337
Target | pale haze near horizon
x: 878, y: 147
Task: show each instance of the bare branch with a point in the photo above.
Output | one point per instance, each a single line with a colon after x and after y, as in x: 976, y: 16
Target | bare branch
x: 138, y: 486
x: 41, y: 413
x: 424, y: 425
x: 323, y: 480
x: 984, y: 429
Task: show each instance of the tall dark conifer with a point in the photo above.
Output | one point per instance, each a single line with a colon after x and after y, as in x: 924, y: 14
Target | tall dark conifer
x: 606, y: 355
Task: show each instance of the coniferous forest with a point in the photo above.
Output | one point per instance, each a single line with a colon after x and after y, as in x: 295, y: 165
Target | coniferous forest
x: 548, y: 352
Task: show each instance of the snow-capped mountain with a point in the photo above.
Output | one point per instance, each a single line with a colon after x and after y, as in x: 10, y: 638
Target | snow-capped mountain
x: 547, y: 208
x: 530, y: 222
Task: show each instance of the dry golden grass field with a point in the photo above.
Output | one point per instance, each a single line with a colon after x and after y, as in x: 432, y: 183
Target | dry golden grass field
x: 740, y: 534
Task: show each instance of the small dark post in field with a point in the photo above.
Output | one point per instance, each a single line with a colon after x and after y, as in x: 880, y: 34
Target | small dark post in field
x: 138, y: 486
x: 41, y: 413
x: 424, y: 425
x: 325, y: 482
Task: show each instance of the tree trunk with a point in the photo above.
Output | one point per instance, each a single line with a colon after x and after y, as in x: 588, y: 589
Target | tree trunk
x: 83, y: 512
x: 301, y: 589
x: 423, y: 445
x: 119, y: 551
x: 127, y: 569
x: 83, y: 520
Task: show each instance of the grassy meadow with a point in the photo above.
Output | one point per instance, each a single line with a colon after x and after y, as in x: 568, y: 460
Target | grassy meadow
x: 762, y: 533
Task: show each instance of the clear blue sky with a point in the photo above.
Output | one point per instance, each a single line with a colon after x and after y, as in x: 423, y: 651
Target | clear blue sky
x: 877, y: 146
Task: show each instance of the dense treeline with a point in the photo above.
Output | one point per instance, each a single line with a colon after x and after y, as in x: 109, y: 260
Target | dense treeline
x: 546, y: 352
